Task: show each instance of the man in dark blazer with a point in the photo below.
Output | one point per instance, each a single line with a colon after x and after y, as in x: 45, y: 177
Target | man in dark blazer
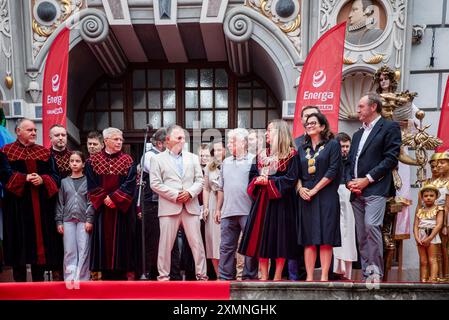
x: 374, y: 154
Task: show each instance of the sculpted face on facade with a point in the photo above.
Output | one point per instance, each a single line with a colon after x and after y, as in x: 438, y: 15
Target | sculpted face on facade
x: 362, y: 23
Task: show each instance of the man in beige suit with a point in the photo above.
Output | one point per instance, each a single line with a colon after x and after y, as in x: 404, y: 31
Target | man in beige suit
x: 177, y: 177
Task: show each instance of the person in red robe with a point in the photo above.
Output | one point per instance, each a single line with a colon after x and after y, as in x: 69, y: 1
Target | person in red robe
x: 30, y: 178
x: 59, y: 150
x: 111, y: 184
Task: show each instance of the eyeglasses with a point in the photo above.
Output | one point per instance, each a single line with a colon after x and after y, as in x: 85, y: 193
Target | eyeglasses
x: 310, y: 124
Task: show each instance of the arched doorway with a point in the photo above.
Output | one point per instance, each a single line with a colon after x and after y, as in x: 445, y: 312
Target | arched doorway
x: 163, y: 94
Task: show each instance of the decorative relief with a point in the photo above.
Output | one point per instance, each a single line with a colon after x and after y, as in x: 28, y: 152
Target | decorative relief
x: 375, y: 31
x: 353, y: 86
x: 47, y: 15
x: 5, y: 41
x: 34, y: 89
x: 284, y: 13
x: 374, y: 59
x: 326, y: 9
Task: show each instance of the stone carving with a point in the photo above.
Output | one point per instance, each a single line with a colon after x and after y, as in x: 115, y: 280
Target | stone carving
x: 94, y: 27
x: 164, y: 9
x: 326, y: 12
x: 284, y: 13
x: 418, y: 33
x: 5, y: 41
x: 354, y: 85
x: 239, y: 28
x: 47, y: 15
x: 34, y: 89
x: 387, y: 48
x: 362, y: 23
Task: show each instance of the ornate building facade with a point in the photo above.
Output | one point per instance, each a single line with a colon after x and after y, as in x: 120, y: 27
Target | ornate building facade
x: 223, y: 63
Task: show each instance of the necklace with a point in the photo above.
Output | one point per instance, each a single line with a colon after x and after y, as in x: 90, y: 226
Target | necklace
x: 311, y: 160
x: 428, y: 213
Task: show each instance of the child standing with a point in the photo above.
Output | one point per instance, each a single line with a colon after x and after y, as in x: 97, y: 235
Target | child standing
x: 427, y: 225
x: 74, y: 219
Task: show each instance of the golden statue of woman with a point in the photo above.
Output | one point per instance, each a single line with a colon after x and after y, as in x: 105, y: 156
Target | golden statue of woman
x: 395, y: 106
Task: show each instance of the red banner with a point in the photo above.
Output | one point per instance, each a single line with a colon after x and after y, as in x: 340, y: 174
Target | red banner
x: 443, y: 134
x: 54, y: 95
x: 320, y: 81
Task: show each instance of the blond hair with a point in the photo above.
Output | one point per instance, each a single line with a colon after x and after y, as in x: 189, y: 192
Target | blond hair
x: 281, y: 142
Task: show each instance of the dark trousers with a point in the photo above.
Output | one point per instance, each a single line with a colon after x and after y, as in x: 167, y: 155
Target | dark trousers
x: 113, y: 275
x: 20, y: 273
x: 182, y: 259
x: 151, y: 223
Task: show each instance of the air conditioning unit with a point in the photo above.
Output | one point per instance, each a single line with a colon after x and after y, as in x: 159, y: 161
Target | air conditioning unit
x: 5, y: 105
x: 288, y: 109
x: 14, y: 108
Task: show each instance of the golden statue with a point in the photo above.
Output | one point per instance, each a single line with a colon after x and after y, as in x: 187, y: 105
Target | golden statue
x: 421, y: 141
x: 398, y: 106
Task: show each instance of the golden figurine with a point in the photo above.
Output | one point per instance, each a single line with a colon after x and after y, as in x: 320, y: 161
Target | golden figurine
x: 433, y: 169
x: 427, y: 225
x: 421, y: 141
x: 396, y: 106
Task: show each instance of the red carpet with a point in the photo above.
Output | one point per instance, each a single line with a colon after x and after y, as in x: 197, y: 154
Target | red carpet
x: 117, y: 290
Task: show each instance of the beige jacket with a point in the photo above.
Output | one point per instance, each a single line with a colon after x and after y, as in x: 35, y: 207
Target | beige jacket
x: 167, y: 183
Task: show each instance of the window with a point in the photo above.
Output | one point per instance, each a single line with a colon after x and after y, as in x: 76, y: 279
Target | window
x: 206, y: 98
x: 255, y: 106
x: 105, y: 108
x: 167, y: 94
x: 154, y: 98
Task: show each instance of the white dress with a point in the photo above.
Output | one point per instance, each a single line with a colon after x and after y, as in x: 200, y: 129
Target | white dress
x: 348, y: 250
x: 212, y: 229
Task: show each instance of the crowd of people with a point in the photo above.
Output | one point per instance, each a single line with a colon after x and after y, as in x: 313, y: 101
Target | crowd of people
x: 272, y: 205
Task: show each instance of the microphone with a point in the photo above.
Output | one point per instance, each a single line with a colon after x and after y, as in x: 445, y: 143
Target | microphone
x: 149, y: 126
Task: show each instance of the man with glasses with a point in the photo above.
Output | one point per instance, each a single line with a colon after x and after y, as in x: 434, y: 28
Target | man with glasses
x: 111, y: 183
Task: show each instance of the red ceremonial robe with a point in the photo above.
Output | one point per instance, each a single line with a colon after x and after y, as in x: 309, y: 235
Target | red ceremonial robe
x: 29, y: 222
x: 62, y: 162
x: 112, y: 246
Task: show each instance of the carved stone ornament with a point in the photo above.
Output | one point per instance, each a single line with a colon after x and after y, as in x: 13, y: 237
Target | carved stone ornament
x: 47, y: 15
x: 386, y: 48
x: 286, y: 14
x: 6, y: 45
x: 418, y: 33
x: 34, y: 90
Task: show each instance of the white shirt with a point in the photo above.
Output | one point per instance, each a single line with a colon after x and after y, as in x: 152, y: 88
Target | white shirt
x: 146, y: 162
x: 367, y: 130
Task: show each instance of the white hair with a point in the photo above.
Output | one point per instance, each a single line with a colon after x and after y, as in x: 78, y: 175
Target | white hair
x: 239, y: 133
x: 109, y: 132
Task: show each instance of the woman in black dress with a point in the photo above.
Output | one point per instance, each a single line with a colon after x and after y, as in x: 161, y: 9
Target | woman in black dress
x: 270, y: 231
x: 319, y: 206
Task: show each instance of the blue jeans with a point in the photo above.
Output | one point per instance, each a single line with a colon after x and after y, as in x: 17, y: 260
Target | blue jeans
x: 230, y: 232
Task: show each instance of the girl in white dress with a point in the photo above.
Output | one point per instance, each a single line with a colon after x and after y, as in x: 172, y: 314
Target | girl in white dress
x: 211, y: 185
